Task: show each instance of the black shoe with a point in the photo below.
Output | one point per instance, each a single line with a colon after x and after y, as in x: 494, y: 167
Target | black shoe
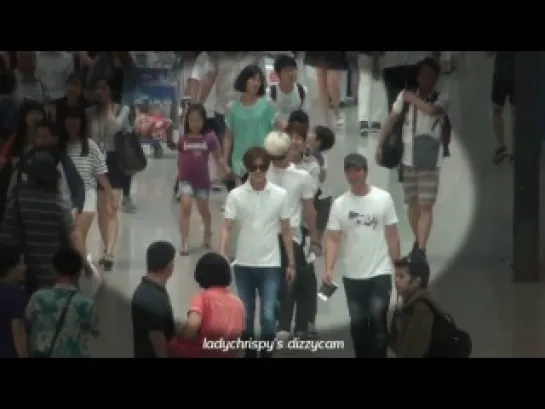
x: 375, y: 126
x: 108, y: 263
x: 309, y: 334
x: 364, y: 128
x: 500, y: 154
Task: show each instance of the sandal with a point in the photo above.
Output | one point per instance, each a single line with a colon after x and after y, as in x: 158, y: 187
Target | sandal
x: 108, y: 263
x: 184, y: 251
x: 103, y: 259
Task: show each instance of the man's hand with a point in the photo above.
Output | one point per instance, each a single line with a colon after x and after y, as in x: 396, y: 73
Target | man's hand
x: 290, y: 273
x: 226, y: 172
x: 409, y: 97
x: 328, y: 277
x: 316, y: 248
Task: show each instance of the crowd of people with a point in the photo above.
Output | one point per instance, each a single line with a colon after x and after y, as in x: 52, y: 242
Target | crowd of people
x: 60, y: 115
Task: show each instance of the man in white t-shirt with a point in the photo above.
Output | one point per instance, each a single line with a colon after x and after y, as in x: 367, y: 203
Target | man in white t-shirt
x: 261, y: 211
x: 53, y: 68
x: 423, y: 138
x: 363, y: 242
x: 300, y: 190
x: 288, y: 95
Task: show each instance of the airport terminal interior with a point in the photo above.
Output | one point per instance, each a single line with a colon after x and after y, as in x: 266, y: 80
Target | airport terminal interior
x: 471, y: 280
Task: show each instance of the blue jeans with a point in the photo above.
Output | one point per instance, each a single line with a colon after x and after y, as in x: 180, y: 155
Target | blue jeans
x: 368, y: 301
x: 266, y: 283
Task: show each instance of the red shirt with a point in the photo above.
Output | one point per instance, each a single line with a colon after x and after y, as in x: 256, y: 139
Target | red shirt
x: 223, y: 317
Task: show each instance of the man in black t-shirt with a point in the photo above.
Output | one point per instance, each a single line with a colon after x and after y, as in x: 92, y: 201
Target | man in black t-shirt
x: 151, y: 310
x: 503, y: 87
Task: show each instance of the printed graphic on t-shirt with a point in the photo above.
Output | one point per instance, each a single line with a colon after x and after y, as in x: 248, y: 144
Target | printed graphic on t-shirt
x: 366, y: 220
x: 197, y: 148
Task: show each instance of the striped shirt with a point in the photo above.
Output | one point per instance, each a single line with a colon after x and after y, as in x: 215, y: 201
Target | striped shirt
x: 90, y: 166
x: 47, y: 223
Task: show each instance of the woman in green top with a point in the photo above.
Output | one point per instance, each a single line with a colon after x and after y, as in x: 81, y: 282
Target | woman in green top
x: 249, y: 119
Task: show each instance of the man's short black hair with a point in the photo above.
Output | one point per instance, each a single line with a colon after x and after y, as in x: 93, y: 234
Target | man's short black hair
x: 284, y: 61
x: 325, y: 136
x: 299, y: 116
x: 10, y: 257
x: 430, y: 63
x: 248, y: 72
x: 67, y: 262
x: 213, y: 270
x: 159, y: 255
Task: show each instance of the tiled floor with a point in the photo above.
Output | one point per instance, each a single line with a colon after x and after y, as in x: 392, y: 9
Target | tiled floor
x: 469, y: 248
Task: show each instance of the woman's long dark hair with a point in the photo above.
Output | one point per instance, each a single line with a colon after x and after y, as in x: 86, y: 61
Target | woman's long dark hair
x: 21, y: 132
x: 64, y: 138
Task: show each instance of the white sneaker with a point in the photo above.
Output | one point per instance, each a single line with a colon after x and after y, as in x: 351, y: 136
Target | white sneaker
x: 283, y: 335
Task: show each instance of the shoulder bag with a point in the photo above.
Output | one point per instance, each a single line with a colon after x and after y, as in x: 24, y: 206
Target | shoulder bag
x: 132, y: 158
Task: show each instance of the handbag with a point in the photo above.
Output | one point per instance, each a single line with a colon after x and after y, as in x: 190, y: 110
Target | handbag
x: 58, y: 329
x: 132, y: 158
x: 392, y: 149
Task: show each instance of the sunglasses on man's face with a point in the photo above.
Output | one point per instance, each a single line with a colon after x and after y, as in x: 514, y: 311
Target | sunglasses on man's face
x: 258, y: 166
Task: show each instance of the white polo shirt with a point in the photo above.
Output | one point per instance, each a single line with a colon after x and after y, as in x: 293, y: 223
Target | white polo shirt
x: 424, y: 125
x: 299, y: 186
x: 363, y: 251
x: 309, y: 164
x: 258, y: 214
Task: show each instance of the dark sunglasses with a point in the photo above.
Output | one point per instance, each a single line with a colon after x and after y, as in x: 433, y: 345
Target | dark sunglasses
x: 262, y: 167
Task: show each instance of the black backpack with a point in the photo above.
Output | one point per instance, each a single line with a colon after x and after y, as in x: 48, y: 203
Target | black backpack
x: 392, y: 150
x: 447, y: 340
x: 273, y: 93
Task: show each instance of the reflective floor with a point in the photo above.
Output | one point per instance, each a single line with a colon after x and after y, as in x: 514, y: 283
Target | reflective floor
x: 469, y: 248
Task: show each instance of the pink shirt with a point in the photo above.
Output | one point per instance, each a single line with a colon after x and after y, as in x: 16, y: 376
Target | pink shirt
x: 223, y: 317
x: 193, y: 154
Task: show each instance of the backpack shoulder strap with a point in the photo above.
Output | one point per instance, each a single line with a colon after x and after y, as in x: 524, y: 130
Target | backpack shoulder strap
x: 301, y: 91
x: 436, y: 312
x: 273, y: 92
x: 60, y: 324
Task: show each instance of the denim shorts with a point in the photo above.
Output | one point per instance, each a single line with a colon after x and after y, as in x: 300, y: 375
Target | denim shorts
x: 186, y: 188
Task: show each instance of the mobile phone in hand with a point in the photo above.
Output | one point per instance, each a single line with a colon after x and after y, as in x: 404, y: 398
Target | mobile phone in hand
x: 327, y: 290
